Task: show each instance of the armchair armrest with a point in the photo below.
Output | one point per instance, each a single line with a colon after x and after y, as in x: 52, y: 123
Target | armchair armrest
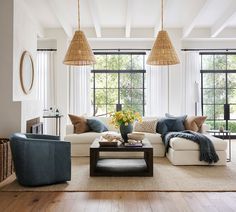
x: 41, y: 136
x: 33, y: 141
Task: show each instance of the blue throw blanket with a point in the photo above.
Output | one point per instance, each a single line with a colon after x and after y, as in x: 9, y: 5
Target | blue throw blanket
x: 207, y: 150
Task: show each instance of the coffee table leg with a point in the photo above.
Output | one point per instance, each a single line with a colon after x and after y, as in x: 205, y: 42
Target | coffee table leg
x: 148, y: 156
x: 94, y: 156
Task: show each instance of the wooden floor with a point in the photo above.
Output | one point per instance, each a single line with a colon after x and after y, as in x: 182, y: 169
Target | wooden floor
x: 117, y: 201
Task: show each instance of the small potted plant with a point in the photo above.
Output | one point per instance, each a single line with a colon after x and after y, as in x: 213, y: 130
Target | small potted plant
x: 124, y: 120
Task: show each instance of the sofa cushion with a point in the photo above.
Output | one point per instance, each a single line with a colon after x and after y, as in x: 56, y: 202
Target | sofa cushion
x: 148, y: 126
x: 96, y: 125
x: 194, y: 123
x: 154, y: 138
x: 185, y: 144
x: 80, y: 124
x: 86, y: 138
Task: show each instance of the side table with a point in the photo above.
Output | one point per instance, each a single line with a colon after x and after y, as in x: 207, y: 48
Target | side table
x: 58, y: 122
x: 224, y: 133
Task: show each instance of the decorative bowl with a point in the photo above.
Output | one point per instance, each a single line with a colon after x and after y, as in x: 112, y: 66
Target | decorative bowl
x: 136, y: 136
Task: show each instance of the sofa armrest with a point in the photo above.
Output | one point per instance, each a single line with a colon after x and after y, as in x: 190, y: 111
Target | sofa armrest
x: 204, y: 128
x: 69, y: 129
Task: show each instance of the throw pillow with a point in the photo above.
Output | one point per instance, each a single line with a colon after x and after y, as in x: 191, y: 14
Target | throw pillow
x: 194, y: 123
x: 146, y: 126
x: 179, y: 124
x: 166, y: 125
x: 96, y: 126
x: 80, y: 124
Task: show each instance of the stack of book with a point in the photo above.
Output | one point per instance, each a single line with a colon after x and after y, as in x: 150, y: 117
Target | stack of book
x: 133, y: 144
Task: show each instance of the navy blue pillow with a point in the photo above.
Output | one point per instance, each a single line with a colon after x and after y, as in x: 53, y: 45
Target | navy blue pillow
x: 171, y: 124
x: 96, y: 126
x: 164, y: 125
x: 179, y: 126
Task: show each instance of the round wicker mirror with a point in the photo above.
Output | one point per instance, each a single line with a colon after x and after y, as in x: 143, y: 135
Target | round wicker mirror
x: 26, y: 72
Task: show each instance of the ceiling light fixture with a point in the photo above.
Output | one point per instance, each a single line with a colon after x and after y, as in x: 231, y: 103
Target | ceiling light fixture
x: 163, y: 52
x: 79, y: 52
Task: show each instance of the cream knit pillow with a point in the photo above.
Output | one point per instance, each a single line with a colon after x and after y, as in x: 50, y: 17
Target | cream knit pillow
x: 146, y: 126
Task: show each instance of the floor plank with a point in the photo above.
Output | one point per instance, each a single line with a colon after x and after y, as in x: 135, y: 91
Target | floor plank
x: 118, y: 201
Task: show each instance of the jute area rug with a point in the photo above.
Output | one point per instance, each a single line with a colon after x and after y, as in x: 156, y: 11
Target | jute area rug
x: 166, y: 178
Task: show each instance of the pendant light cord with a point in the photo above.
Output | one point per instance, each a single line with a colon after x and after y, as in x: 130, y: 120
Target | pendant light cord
x: 162, y: 15
x: 78, y: 16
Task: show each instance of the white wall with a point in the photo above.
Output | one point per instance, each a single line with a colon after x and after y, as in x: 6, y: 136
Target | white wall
x: 17, y: 35
x: 25, y: 39
x: 61, y: 73
x: 10, y: 112
x: 47, y: 44
x: 209, y: 44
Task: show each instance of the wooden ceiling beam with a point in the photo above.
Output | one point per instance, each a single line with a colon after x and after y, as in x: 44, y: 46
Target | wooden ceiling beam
x: 129, y: 12
x: 192, y: 21
x: 223, y: 21
x: 95, y: 17
x: 62, y: 16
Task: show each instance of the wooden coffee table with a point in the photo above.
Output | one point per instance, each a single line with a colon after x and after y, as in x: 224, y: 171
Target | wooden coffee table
x: 104, y: 166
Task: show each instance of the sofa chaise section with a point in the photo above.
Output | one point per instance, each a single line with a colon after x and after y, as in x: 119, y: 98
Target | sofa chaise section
x: 186, y: 152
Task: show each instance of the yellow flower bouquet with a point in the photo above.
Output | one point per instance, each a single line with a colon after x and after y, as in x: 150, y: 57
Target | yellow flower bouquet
x: 125, y: 117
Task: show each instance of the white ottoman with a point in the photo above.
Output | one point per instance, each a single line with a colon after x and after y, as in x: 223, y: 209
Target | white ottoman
x: 186, y: 152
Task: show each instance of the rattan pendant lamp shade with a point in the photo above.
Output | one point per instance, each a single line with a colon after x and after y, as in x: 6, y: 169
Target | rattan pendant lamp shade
x: 163, y: 52
x: 79, y: 52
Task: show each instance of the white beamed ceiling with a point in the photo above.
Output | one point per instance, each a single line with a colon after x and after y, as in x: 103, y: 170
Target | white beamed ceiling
x: 199, y: 19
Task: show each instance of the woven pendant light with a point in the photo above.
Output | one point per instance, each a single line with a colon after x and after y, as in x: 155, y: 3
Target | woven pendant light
x: 79, y: 52
x: 163, y: 52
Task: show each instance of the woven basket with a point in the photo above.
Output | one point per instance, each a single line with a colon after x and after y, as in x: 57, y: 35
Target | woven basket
x: 6, y: 163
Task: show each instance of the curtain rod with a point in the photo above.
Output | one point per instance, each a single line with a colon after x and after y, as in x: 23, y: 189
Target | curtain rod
x: 208, y: 49
x: 51, y: 50
x: 121, y: 49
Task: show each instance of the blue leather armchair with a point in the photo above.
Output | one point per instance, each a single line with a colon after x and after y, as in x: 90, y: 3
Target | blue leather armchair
x: 40, y: 159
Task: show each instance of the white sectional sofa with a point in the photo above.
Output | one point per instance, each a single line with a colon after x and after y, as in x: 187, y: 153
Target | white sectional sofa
x: 181, y: 151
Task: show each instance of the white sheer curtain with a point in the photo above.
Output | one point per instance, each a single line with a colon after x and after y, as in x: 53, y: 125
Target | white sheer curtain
x: 181, y: 87
x: 46, y: 91
x: 191, y: 76
x: 156, y: 90
x: 79, y: 90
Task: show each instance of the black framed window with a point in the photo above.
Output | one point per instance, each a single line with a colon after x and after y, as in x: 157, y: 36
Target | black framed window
x: 118, y: 81
x: 218, y: 74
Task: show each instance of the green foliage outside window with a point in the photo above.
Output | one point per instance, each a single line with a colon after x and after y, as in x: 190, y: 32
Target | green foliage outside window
x: 125, y: 84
